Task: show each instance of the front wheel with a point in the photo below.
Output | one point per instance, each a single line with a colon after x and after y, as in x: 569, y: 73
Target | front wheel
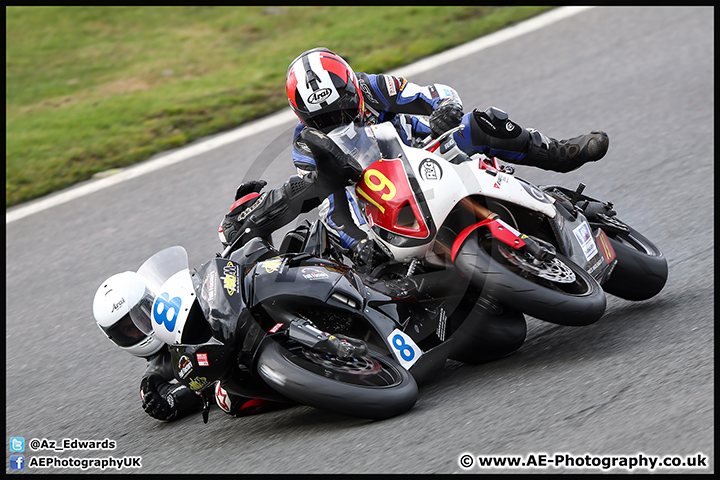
x: 371, y: 386
x: 557, y: 291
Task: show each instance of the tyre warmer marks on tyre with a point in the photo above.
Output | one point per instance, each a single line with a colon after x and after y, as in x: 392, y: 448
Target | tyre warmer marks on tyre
x: 499, y: 230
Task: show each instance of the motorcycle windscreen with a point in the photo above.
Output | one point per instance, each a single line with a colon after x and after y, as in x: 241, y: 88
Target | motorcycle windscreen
x: 357, y: 141
x: 156, y: 271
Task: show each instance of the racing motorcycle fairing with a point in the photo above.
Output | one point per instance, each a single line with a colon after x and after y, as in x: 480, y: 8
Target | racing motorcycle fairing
x: 391, y: 203
x: 280, y: 289
x: 406, y: 193
x: 591, y: 250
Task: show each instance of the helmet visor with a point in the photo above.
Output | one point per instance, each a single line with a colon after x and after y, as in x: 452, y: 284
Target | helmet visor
x: 328, y: 121
x: 124, y: 333
x: 341, y: 112
x: 141, y: 313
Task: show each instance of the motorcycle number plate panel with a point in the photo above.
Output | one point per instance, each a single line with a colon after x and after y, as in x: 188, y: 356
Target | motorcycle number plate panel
x: 586, y: 240
x: 389, y: 199
x: 171, y: 307
x: 404, y: 349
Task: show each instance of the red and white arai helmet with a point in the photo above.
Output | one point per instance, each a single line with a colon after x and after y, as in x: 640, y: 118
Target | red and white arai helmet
x: 323, y: 90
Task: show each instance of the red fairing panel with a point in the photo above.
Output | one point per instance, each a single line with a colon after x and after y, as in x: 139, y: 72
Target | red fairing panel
x: 389, y: 200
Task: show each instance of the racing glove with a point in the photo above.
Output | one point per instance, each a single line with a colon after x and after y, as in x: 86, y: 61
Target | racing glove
x: 246, y: 195
x: 448, y: 114
x: 246, y: 188
x: 366, y: 255
x: 167, y: 401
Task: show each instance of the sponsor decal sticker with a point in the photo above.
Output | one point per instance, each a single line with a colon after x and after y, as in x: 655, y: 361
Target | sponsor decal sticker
x: 202, y: 360
x: 230, y: 278
x: 606, y: 248
x: 499, y: 180
x: 184, y: 366
x: 310, y: 273
x: 209, y: 288
x: 197, y: 383
x: 430, y: 170
x: 585, y: 238
x: 271, y: 265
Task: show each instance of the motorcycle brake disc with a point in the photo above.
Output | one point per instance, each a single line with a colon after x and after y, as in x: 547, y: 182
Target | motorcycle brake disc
x: 553, y: 270
x: 364, y: 365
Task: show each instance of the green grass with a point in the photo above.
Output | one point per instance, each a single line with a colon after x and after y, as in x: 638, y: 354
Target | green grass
x: 94, y: 88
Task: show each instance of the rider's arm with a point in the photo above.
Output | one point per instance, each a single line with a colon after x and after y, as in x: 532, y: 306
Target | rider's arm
x: 388, y: 95
x: 301, y: 154
x: 275, y: 208
x: 340, y: 218
x: 162, y: 397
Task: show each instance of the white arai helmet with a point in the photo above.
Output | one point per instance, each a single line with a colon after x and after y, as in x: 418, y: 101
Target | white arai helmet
x: 122, y: 302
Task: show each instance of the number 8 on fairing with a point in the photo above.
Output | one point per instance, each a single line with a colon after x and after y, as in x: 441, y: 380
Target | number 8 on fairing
x: 404, y: 349
x: 165, y: 310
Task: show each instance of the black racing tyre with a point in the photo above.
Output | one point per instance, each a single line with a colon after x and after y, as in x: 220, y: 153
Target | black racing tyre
x: 561, y: 292
x: 488, y: 333
x: 641, y: 270
x: 372, y: 386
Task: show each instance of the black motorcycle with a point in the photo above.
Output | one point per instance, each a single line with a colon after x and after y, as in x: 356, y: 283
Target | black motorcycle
x: 295, y: 324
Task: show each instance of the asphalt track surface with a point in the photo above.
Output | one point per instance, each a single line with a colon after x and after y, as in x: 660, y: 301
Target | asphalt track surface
x: 639, y: 381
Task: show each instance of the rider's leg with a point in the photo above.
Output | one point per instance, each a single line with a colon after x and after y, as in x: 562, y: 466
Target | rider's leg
x: 493, y: 133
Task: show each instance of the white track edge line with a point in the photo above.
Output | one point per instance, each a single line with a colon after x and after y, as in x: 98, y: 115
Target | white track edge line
x: 279, y: 118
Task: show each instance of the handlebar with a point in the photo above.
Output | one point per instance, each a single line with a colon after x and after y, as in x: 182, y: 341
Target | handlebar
x: 430, y: 142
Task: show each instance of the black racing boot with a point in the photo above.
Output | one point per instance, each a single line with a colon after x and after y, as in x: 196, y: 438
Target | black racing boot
x: 565, y: 155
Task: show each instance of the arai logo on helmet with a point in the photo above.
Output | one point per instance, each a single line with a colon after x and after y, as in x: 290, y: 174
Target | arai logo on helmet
x: 319, y: 96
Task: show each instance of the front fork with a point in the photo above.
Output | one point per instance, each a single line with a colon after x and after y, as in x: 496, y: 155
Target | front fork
x: 501, y: 231
x: 305, y: 333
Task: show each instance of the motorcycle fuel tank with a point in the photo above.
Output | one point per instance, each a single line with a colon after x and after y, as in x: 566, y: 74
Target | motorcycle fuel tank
x: 304, y: 276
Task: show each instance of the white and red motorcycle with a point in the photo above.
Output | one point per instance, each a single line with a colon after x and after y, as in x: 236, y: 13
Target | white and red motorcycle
x: 544, y: 251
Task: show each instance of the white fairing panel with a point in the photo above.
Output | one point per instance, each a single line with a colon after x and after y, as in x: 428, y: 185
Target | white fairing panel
x: 172, y: 307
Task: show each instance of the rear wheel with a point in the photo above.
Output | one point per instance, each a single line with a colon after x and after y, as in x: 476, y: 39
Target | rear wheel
x: 371, y: 386
x: 641, y: 270
x: 489, y: 332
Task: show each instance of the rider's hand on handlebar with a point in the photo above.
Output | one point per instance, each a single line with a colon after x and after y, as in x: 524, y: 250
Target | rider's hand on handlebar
x: 366, y: 255
x: 157, y: 398
x: 447, y: 115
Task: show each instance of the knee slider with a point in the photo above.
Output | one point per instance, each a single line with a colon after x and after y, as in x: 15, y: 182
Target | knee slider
x: 495, y: 123
x: 493, y: 128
